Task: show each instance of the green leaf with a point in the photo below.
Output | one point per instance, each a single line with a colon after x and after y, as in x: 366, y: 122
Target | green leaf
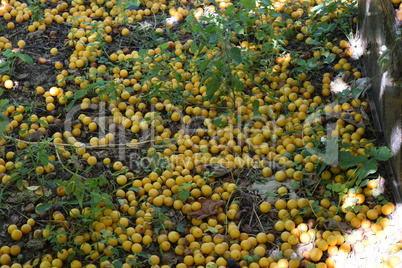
x: 3, y: 102
x: 313, y: 42
x: 211, y: 229
x: 43, y: 158
x: 3, y: 123
x: 295, y: 185
x: 43, y: 207
x: 198, y: 29
x: 51, y: 184
x: 79, y: 193
x: 203, y: 65
x: 132, y: 5
x: 235, y: 53
x: 80, y: 93
x: 229, y: 10
x: 271, y: 194
x: 349, y: 208
x: 181, y: 226
x: 301, y: 62
x: 8, y: 53
x: 295, y: 163
x: 249, y: 4
x: 42, y: 122
x: 329, y: 59
x: 26, y: 58
x: 256, y: 106
x: 364, y: 182
x: 114, y: 250
x: 305, y: 153
x: 183, y: 195
x: 260, y: 35
x: 336, y: 188
x: 212, y: 87
x: 369, y: 168
x: 214, y: 38
x: 219, y: 123
x: 239, y: 29
x: 103, y: 258
x: 347, y: 160
x: 356, y: 209
x: 382, y: 154
x: 117, y: 264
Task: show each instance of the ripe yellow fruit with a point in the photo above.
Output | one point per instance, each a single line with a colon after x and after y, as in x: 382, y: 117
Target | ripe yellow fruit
x: 372, y: 214
x: 309, y: 167
x: 219, y: 249
x: 125, y: 31
x: 175, y: 116
x: 58, y: 65
x: 387, y: 209
x: 235, y: 254
x: 74, y: 213
x: 121, y: 180
x: 5, y: 259
x: 16, y: 234
x: 231, y: 187
x: 21, y: 43
x: 355, y: 222
x: 11, y: 228
x: 54, y: 51
x: 26, y: 228
x: 305, y: 237
x: 117, y: 165
x: 280, y: 176
x: 265, y: 207
x: 289, y: 225
x: 316, y: 254
x: 165, y: 246
x: 8, y: 84
x: 206, y: 190
x: 279, y: 226
x: 92, y: 160
x: 10, y: 25
x: 75, y: 264
x: 372, y: 184
x: 280, y: 204
x: 267, y: 172
x: 15, y: 250
x: 31, y: 222
x: 282, y: 191
x: 298, y: 175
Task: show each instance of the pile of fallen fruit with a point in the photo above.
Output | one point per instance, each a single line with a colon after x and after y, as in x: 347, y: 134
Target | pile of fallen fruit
x: 189, y: 134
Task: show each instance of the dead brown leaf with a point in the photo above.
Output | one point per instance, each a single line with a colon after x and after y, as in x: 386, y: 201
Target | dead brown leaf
x: 247, y: 228
x: 342, y: 226
x: 208, y: 208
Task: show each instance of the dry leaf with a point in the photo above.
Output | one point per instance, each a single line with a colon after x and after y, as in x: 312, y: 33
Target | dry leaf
x: 208, y: 208
x: 170, y: 258
x: 247, y: 228
x: 342, y: 226
x: 34, y: 136
x: 215, y: 170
